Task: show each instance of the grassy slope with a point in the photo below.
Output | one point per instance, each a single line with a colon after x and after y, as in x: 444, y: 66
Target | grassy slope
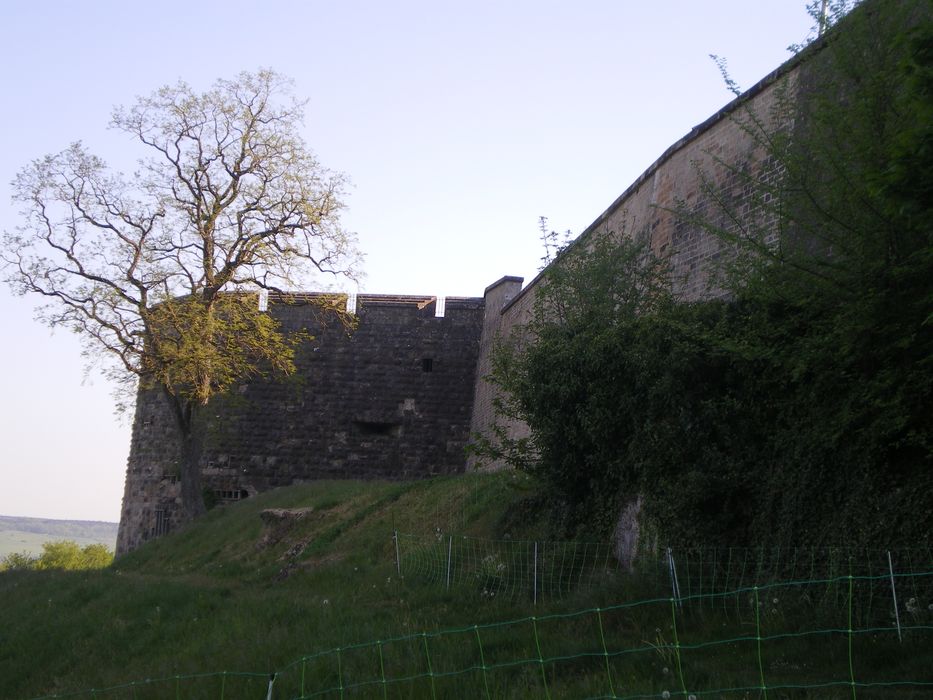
x: 211, y: 598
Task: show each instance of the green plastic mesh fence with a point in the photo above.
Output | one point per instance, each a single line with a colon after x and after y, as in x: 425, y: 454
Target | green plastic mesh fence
x: 831, y: 637
x: 553, y: 570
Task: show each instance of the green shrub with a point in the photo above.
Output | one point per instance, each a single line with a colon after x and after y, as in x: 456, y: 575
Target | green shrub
x: 17, y: 561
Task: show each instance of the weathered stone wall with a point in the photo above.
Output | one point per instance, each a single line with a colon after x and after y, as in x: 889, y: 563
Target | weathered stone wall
x: 400, y: 396
x: 497, y: 296
x: 392, y: 400
x: 704, y: 177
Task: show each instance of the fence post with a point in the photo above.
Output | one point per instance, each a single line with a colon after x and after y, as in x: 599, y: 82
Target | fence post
x: 535, y: 579
x: 675, y: 586
x: 269, y: 691
x: 450, y: 545
x: 398, y: 560
x: 897, y: 616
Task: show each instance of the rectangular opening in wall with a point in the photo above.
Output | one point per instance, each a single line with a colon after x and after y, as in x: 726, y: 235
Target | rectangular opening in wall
x: 427, y: 364
x: 351, y: 303
x: 230, y: 495
x: 161, y: 523
x: 440, y: 307
x: 376, y: 428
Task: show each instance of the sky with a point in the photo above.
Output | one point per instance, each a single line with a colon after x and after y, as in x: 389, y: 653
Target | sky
x: 457, y: 123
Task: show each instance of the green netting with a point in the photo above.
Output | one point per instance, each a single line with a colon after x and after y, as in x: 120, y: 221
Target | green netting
x: 773, y: 640
x: 554, y: 570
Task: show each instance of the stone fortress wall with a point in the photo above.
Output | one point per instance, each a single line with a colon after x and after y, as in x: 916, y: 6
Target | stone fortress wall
x: 702, y: 177
x: 392, y: 400
x: 399, y: 397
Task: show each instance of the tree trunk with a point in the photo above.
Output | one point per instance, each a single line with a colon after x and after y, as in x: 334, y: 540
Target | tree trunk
x: 191, y: 448
x: 192, y: 496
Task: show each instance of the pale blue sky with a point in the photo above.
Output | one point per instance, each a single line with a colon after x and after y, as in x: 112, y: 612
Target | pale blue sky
x: 459, y: 124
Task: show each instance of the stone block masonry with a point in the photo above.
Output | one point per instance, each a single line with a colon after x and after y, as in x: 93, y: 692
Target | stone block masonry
x: 391, y: 400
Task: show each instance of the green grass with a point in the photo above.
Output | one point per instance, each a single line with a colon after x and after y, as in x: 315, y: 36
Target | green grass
x: 212, y: 598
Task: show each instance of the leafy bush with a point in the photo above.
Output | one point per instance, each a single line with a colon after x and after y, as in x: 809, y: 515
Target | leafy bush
x: 17, y: 561
x: 64, y: 555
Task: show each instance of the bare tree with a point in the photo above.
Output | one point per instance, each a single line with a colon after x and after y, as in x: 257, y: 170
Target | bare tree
x: 159, y: 271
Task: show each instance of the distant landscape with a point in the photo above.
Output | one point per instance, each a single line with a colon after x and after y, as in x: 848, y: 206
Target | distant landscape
x: 28, y: 534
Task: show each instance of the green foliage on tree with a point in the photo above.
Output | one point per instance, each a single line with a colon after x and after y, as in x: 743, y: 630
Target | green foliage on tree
x: 159, y: 272
x: 64, y: 555
x: 800, y: 410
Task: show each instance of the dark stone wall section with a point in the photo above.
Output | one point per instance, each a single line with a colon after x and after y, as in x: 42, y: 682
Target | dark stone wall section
x: 391, y: 400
